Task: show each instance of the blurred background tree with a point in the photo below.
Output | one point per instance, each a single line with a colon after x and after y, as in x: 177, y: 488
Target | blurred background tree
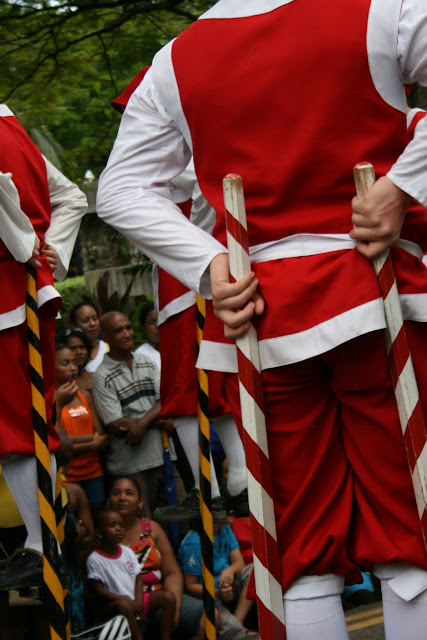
x: 61, y: 63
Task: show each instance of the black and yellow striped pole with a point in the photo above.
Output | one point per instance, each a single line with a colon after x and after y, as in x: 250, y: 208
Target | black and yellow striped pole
x: 53, y: 595
x: 61, y: 500
x: 206, y: 534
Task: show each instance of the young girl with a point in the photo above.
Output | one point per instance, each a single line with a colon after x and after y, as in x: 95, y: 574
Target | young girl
x: 78, y: 416
x: 155, y: 558
x: 113, y: 570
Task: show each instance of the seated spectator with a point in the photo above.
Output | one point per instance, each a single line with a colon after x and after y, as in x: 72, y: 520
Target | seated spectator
x: 77, y: 341
x: 126, y: 389
x: 231, y: 579
x: 158, y: 566
x: 85, y: 316
x: 112, y: 571
x: 80, y: 420
x: 79, y: 537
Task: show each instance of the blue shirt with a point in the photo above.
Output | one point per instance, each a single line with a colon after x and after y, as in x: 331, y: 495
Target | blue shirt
x: 190, y: 554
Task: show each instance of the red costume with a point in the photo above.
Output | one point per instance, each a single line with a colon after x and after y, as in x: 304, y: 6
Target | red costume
x: 20, y: 157
x: 331, y: 412
x: 342, y: 489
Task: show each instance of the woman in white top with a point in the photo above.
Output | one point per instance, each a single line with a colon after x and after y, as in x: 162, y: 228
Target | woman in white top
x: 85, y: 316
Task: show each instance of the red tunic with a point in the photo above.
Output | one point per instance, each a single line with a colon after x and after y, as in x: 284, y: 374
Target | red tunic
x: 19, y: 156
x: 297, y: 171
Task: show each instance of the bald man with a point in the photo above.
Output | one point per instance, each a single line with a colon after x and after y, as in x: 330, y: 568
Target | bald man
x: 126, y: 389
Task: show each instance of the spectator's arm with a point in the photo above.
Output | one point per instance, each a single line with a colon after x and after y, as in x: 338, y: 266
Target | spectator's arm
x: 192, y: 586
x: 172, y: 575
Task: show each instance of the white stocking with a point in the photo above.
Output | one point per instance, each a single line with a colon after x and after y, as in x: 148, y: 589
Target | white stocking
x: 20, y: 473
x: 233, y: 448
x: 187, y: 429
x: 313, y: 609
x: 404, y: 598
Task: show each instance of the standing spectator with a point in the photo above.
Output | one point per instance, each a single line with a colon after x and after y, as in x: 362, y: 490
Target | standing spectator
x: 126, y: 394
x: 86, y: 317
x: 148, y: 321
x: 79, y: 344
x: 80, y: 420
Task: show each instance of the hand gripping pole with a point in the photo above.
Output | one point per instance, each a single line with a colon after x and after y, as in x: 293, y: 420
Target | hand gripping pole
x: 401, y: 367
x: 263, y: 524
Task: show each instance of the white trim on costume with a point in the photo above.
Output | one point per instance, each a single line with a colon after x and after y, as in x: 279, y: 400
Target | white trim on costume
x: 276, y: 352
x: 45, y: 294
x: 5, y: 111
x: 383, y: 27
x: 177, y: 305
x: 310, y: 244
x: 12, y: 318
x: 164, y: 78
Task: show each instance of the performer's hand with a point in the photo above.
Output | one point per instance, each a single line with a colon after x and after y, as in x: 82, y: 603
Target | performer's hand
x: 236, y: 303
x: 378, y: 217
x: 51, y: 256
x: 36, y: 252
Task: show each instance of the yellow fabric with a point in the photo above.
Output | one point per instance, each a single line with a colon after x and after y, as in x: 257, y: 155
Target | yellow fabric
x: 9, y: 512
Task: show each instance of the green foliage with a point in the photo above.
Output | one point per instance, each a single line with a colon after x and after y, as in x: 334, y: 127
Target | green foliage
x: 72, y: 290
x: 61, y: 64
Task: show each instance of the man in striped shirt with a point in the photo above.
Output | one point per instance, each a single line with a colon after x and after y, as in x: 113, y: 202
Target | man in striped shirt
x: 126, y: 389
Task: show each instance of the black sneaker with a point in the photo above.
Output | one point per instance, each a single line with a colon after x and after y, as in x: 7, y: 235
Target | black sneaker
x: 189, y: 509
x: 237, y: 506
x: 24, y: 569
x: 219, y: 512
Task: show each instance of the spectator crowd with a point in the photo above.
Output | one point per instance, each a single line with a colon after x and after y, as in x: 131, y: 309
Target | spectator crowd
x: 119, y: 559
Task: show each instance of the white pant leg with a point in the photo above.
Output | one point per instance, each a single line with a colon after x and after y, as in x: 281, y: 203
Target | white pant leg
x: 187, y: 429
x: 313, y: 609
x: 233, y: 448
x: 404, y: 595
x: 20, y: 473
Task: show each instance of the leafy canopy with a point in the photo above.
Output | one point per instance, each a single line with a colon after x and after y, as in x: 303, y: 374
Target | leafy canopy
x: 61, y: 64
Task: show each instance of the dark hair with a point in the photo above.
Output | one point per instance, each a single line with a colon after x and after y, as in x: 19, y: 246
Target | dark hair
x: 79, y: 305
x: 60, y: 345
x: 75, y: 333
x: 132, y: 480
x: 145, y: 310
x: 99, y: 514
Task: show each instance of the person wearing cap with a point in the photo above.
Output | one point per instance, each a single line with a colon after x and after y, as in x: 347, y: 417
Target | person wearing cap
x: 224, y: 91
x: 40, y: 213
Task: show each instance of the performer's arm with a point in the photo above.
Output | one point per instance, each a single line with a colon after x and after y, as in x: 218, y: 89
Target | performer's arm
x: 379, y: 216
x: 148, y: 153
x: 69, y: 205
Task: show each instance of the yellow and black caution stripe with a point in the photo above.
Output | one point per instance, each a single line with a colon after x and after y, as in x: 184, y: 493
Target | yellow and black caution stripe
x: 53, y: 594
x: 61, y: 501
x: 206, y: 534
